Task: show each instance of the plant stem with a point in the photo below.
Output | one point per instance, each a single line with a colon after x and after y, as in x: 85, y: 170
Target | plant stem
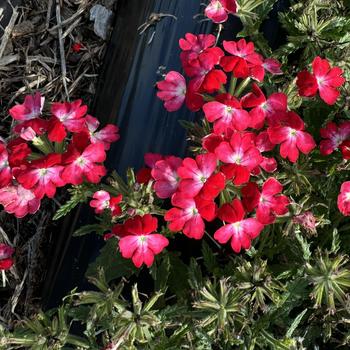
x: 233, y: 83
x: 244, y: 83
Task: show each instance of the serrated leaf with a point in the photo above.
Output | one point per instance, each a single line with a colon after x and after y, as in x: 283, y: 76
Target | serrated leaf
x: 295, y: 324
x: 86, y: 229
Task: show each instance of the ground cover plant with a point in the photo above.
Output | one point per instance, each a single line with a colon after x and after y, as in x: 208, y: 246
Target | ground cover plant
x: 245, y: 240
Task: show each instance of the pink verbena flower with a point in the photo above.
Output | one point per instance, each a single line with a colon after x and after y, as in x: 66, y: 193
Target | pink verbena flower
x: 138, y: 241
x: 237, y: 229
x: 188, y: 214
x: 172, y: 90
x: 218, y: 10
x: 19, y: 201
x: 84, y: 163
x: 42, y: 176
x: 102, y: 200
x: 30, y: 109
x: 292, y: 137
x: 269, y: 202
x: 334, y: 136
x: 324, y: 79
x: 5, y: 170
x: 6, y: 260
x: 166, y: 178
x: 344, y: 198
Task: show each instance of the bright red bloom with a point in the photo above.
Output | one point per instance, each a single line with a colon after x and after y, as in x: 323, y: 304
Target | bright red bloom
x: 18, y: 151
x: 76, y: 47
x: 269, y: 202
x: 263, y: 144
x: 218, y: 10
x: 6, y: 253
x: 139, y: 243
x: 272, y: 66
x: 172, y: 91
x: 345, y: 149
x: 166, y: 177
x: 194, y: 46
x: 291, y: 136
x: 30, y: 109
x: 226, y: 113
x: 194, y: 173
x: 324, y: 79
x: 106, y: 135
x: 102, y: 200
x: 241, y: 231
x: 5, y: 170
x: 244, y: 61
x: 42, y: 176
x: 344, y: 198
x: 241, y: 155
x: 66, y: 116
x: 19, y: 201
x: 189, y: 214
x: 263, y: 108
x: 143, y: 175
x: 84, y: 163
x: 334, y: 136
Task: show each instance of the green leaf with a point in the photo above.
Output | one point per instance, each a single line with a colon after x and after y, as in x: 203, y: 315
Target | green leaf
x: 160, y: 271
x: 295, y: 324
x: 113, y: 263
x: 210, y: 261
x: 84, y: 230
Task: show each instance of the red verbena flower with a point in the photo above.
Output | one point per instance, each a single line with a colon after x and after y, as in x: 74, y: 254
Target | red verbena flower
x: 106, y: 135
x: 102, y: 200
x: 241, y: 231
x: 6, y: 253
x: 66, y: 116
x: 269, y: 202
x: 138, y: 241
x: 334, y: 136
x: 244, y: 61
x: 5, y: 170
x: 30, y: 109
x: 226, y: 113
x: 84, y: 163
x: 166, y: 178
x: 272, y: 66
x: 218, y: 10
x: 172, y: 90
x: 324, y: 79
x: 19, y: 201
x: 344, y: 198
x: 42, y: 176
x: 241, y: 157
x: 291, y: 136
x: 189, y: 213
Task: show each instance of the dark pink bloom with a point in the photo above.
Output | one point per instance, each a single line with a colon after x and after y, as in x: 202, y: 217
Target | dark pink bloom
x: 218, y: 10
x: 42, y: 176
x: 166, y: 178
x: 241, y: 157
x: 18, y: 151
x: 269, y: 202
x: 85, y: 163
x: 263, y: 144
x: 66, y: 117
x: 19, y: 201
x: 194, y: 173
x: 102, y: 200
x: 272, y: 66
x: 334, y: 136
x: 241, y: 231
x: 189, y: 213
x: 324, y: 79
x: 263, y: 108
x: 139, y: 243
x: 30, y: 109
x: 291, y: 136
x: 172, y: 90
x: 244, y: 61
x: 6, y: 260
x: 106, y: 135
x: 306, y: 220
x: 5, y: 170
x: 226, y: 113
x: 344, y: 198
